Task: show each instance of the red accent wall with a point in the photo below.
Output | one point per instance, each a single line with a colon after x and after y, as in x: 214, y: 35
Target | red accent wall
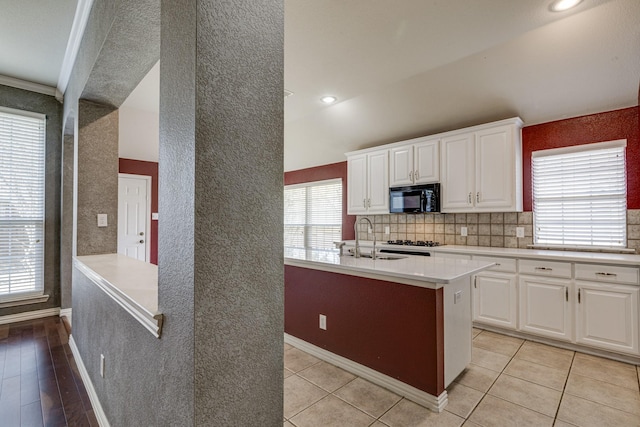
x: 140, y: 167
x: 319, y: 173
x: 608, y: 126
x: 395, y: 329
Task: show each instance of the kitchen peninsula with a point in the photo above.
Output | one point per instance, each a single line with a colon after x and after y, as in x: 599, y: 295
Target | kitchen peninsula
x: 403, y: 323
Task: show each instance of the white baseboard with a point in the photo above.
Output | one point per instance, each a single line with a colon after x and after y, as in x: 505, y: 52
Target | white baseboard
x: 29, y: 315
x: 66, y: 312
x: 95, y: 402
x: 435, y: 403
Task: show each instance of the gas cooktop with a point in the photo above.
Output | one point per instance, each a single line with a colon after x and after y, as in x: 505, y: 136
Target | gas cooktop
x: 429, y: 243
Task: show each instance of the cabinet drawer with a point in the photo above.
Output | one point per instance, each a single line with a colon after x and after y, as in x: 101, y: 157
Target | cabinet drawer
x: 607, y: 273
x: 506, y: 265
x: 450, y: 255
x: 545, y: 268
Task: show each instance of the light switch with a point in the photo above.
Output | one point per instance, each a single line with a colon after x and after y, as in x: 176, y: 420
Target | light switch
x: 520, y: 232
x: 386, y: 229
x: 102, y: 220
x: 457, y: 297
x: 154, y: 215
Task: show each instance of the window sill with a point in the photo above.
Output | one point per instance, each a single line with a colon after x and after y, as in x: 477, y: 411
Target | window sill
x: 131, y: 283
x: 23, y: 300
x: 601, y: 249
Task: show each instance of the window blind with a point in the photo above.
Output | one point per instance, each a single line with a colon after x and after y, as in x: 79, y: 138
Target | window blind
x: 580, y: 195
x: 22, y: 176
x: 313, y: 215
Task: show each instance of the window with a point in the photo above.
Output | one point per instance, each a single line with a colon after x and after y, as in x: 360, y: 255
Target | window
x: 22, y: 156
x: 580, y: 195
x: 313, y: 215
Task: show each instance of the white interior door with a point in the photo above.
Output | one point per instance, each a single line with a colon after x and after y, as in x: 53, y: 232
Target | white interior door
x: 133, y: 216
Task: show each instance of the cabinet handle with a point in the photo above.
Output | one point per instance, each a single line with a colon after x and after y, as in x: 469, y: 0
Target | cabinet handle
x: 475, y: 282
x: 607, y: 274
x: 469, y: 198
x: 364, y: 203
x: 478, y: 197
x: 411, y: 176
x: 416, y: 175
x: 578, y: 296
x: 566, y: 293
x: 544, y: 268
x: 369, y: 203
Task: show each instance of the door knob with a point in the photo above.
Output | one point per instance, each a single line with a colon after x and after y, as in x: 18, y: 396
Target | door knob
x: 141, y: 241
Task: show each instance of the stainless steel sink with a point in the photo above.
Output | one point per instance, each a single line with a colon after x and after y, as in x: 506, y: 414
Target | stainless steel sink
x: 384, y: 256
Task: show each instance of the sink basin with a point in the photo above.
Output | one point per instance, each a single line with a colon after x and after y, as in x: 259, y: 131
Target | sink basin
x: 383, y: 256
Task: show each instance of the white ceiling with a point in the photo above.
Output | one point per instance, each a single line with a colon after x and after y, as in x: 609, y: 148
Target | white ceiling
x: 414, y: 67
x: 400, y: 69
x: 33, y: 38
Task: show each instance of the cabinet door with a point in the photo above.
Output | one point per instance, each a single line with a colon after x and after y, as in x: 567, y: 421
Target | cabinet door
x: 495, y: 170
x: 545, y: 307
x: 427, y: 162
x: 401, y: 167
x: 607, y: 316
x: 494, y: 299
x: 357, y: 184
x: 378, y: 177
x: 457, y: 173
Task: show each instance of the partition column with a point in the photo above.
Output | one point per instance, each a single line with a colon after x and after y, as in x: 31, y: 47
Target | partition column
x: 220, y: 251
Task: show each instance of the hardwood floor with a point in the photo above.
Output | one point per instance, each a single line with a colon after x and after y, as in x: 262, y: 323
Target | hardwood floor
x: 41, y: 385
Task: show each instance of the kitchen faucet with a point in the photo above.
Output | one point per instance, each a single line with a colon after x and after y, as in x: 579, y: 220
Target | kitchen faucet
x: 355, y: 228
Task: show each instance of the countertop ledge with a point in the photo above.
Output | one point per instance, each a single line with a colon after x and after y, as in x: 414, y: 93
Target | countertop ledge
x: 552, y: 255
x: 131, y: 283
x: 426, y: 272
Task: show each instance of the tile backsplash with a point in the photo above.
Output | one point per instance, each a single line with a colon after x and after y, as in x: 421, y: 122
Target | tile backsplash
x: 483, y: 229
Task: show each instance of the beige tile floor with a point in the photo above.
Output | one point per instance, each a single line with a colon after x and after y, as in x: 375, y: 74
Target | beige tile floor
x: 510, y: 382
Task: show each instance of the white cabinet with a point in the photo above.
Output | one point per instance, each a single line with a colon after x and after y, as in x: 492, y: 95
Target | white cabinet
x: 368, y: 183
x: 482, y: 169
x: 495, y: 299
x: 546, y: 306
x: 415, y: 163
x: 607, y: 311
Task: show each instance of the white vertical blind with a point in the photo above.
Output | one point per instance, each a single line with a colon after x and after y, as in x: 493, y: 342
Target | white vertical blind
x: 22, y: 174
x: 313, y: 215
x: 580, y: 195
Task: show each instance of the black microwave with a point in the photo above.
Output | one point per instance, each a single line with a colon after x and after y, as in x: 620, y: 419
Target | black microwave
x: 415, y: 199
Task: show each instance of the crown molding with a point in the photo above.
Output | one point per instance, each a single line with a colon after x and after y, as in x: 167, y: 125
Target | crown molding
x: 27, y: 85
x: 73, y: 44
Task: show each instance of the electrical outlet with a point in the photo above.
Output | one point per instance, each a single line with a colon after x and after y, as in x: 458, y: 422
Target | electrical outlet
x: 463, y: 231
x: 386, y: 229
x: 102, y: 365
x: 323, y: 322
x: 520, y: 232
x: 102, y: 220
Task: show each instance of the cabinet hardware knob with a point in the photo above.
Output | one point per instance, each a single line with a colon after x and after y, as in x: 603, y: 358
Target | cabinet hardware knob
x: 469, y: 198
x: 478, y: 197
x: 142, y: 233
x: 141, y: 241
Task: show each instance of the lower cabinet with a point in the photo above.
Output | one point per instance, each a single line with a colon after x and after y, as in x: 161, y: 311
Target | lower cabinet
x: 546, y: 306
x: 607, y: 316
x: 494, y: 299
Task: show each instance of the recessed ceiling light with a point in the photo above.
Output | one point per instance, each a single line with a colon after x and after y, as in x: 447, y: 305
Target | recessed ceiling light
x: 328, y: 99
x: 562, y: 5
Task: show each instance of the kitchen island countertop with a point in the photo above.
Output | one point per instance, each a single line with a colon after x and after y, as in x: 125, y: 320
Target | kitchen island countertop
x: 428, y: 272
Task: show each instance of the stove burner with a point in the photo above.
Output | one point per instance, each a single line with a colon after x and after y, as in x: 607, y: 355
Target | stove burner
x: 428, y: 243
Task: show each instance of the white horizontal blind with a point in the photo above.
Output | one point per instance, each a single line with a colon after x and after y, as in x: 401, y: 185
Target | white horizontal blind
x: 313, y: 215
x: 580, y: 195
x: 22, y: 174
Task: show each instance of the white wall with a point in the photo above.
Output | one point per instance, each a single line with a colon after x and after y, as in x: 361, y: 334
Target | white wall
x: 139, y: 134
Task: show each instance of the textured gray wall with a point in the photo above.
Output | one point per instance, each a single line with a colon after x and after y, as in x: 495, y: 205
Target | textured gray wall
x: 66, y: 224
x: 30, y: 101
x: 221, y: 144
x: 97, y: 178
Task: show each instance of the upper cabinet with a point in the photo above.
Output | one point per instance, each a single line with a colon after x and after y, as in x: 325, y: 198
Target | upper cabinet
x: 417, y: 162
x: 482, y: 169
x: 368, y: 183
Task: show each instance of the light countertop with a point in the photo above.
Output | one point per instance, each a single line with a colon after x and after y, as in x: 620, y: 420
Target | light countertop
x: 414, y: 270
x: 551, y: 255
